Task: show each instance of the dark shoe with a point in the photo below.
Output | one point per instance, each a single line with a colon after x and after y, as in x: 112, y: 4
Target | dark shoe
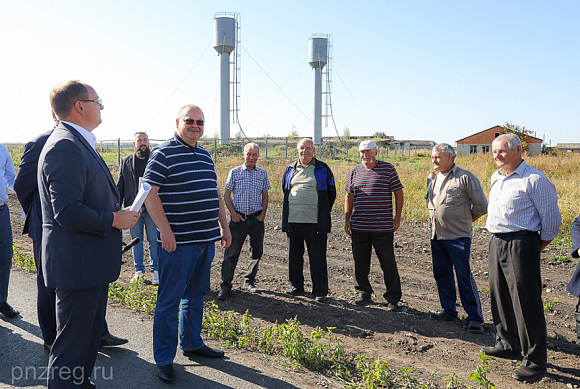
x: 111, y: 341
x: 295, y: 292
x: 475, y: 327
x: 250, y: 287
x: 525, y: 374
x: 8, y: 311
x: 442, y: 316
x: 48, y: 347
x: 500, y: 352
x: 205, y: 352
x: 166, y: 373
x: 223, y: 294
x: 363, y: 299
x: 393, y: 307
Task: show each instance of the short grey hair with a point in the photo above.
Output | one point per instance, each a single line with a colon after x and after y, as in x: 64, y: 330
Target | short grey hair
x: 252, y: 145
x: 305, y: 140
x: 512, y: 140
x: 446, y: 148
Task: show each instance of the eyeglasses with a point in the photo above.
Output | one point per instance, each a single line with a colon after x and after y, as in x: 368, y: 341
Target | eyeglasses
x: 98, y: 101
x: 189, y: 122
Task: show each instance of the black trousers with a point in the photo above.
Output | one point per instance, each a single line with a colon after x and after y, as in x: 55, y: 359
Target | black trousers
x: 46, y: 301
x: 298, y: 234
x: 515, y: 288
x: 254, y: 228
x: 80, y: 317
x: 362, y: 244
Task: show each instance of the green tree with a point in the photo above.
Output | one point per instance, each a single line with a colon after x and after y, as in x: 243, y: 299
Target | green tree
x: 380, y: 134
x: 520, y: 131
x: 346, y: 133
x: 293, y: 134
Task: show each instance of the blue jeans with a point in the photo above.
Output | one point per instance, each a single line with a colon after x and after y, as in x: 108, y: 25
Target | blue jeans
x: 5, y: 252
x: 184, y: 277
x: 449, y: 254
x: 137, y: 232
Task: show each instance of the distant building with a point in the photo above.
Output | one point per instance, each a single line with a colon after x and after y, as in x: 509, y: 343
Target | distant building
x: 569, y: 147
x: 481, y: 142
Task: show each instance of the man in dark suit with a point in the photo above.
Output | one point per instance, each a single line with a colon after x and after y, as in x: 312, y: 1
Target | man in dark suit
x: 26, y: 188
x: 81, y: 233
x: 131, y: 170
x: 574, y: 285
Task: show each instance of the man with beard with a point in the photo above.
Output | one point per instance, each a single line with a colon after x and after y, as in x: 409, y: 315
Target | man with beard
x: 369, y: 220
x: 131, y: 170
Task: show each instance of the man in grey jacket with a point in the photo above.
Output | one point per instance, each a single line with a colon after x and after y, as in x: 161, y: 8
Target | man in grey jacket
x: 455, y: 200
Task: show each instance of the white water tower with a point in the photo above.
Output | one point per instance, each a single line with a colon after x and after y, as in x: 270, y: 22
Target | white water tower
x: 224, y: 42
x: 318, y: 58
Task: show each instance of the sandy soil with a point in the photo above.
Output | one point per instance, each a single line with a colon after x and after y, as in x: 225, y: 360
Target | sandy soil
x: 406, y: 339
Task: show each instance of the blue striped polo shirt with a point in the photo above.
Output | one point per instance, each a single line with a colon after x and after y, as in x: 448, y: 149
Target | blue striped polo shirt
x: 187, y: 185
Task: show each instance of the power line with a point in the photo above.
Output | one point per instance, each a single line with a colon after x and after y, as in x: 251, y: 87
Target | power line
x: 352, y: 97
x: 178, y: 86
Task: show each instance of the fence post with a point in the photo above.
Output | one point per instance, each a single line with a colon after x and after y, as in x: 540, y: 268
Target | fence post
x: 215, y: 149
x: 333, y: 151
x: 266, y: 138
x: 286, y: 147
x: 119, y: 151
x: 243, y: 144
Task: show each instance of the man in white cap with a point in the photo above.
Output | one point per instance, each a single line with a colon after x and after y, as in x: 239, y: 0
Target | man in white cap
x: 369, y: 221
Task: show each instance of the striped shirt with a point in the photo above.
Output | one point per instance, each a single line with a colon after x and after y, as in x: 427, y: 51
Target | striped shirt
x: 373, y: 196
x: 187, y: 185
x: 523, y: 200
x: 247, y: 186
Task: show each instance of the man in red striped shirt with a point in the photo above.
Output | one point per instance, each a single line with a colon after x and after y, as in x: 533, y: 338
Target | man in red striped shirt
x: 369, y: 221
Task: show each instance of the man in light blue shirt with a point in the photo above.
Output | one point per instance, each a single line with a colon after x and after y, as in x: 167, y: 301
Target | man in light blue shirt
x: 523, y: 218
x: 249, y: 185
x: 7, y: 175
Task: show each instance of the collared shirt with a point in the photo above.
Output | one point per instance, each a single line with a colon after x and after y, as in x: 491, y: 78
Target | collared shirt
x: 89, y: 136
x: 303, y: 197
x: 7, y: 174
x: 373, y: 196
x: 247, y: 186
x: 523, y: 200
x: 450, y: 209
x: 187, y: 185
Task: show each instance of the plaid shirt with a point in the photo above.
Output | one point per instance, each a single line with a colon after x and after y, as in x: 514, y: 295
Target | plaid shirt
x: 247, y: 187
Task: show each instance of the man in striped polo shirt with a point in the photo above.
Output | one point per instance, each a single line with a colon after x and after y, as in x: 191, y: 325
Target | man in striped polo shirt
x: 369, y: 221
x: 249, y: 185
x: 189, y: 213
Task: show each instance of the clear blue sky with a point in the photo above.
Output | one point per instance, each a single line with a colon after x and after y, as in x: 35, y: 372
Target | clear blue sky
x: 437, y: 70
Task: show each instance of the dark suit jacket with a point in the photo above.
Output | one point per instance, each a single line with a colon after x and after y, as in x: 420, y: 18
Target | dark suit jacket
x: 26, y: 187
x: 574, y: 285
x: 127, y: 183
x: 80, y: 248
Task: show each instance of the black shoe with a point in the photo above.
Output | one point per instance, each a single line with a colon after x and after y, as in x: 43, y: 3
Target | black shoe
x: 475, y: 327
x: 203, y: 352
x: 166, y: 373
x: 223, y: 294
x: 525, y: 374
x: 295, y: 292
x: 8, y: 311
x: 442, y: 316
x: 499, y: 352
x: 48, y: 347
x: 394, y: 307
x: 112, y: 341
x: 363, y: 299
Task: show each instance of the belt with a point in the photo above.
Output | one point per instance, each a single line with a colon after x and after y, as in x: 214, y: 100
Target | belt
x: 2, y: 206
x: 251, y: 215
x: 503, y: 235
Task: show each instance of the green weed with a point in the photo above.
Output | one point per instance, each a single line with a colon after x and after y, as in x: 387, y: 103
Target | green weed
x: 137, y: 295
x: 22, y: 260
x: 480, y: 373
x: 549, y: 304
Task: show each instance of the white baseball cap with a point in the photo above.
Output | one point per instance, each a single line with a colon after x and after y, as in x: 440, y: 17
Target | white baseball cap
x: 367, y: 145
